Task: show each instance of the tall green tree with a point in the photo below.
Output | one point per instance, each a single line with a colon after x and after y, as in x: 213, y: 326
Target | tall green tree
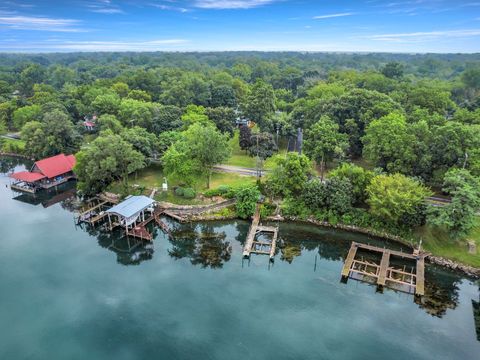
x: 388, y: 144
x: 359, y: 179
x: 53, y: 135
x: 324, y: 142
x: 289, y: 175
x: 200, y: 148
x: 394, y: 198
x: 260, y: 102
x: 459, y: 215
x: 141, y: 140
x: 106, y: 159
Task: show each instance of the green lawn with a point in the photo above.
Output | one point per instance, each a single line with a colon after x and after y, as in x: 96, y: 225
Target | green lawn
x: 152, y: 177
x: 233, y: 180
x: 437, y: 241
x: 241, y: 158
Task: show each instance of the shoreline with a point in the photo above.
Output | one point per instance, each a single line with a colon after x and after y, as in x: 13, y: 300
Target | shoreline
x: 468, y: 270
x: 438, y: 260
x: 20, y: 156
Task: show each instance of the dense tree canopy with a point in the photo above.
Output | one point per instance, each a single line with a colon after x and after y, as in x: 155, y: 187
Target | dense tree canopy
x: 200, y: 147
x: 418, y: 115
x: 395, y: 197
x: 104, y: 160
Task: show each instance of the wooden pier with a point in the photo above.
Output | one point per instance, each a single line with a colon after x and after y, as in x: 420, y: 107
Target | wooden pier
x: 174, y: 216
x: 252, y: 246
x: 140, y: 230
x: 383, y: 273
x: 94, y: 213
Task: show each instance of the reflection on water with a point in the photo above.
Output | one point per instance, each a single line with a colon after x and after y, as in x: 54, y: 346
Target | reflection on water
x: 8, y: 164
x: 65, y: 194
x: 201, y: 244
x: 204, y: 245
x: 476, y: 314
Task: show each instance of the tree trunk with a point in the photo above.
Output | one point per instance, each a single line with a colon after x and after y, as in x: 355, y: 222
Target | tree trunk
x: 322, y: 164
x: 208, y: 179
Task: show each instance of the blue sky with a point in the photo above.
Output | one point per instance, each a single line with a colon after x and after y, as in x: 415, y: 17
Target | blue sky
x: 217, y: 25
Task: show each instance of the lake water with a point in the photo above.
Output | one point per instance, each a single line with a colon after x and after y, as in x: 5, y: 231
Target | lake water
x: 69, y: 292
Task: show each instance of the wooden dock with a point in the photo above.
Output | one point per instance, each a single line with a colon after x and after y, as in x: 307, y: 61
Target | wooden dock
x: 252, y: 246
x: 383, y: 273
x: 174, y: 216
x: 141, y: 232
x: 93, y: 213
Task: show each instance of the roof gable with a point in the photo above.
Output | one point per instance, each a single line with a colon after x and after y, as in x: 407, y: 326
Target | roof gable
x: 27, y: 176
x: 131, y: 206
x: 56, y: 165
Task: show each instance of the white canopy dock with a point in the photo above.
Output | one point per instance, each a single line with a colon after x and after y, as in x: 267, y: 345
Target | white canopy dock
x: 130, y: 214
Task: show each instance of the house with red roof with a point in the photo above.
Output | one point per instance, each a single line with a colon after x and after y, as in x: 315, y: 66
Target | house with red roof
x: 45, y: 174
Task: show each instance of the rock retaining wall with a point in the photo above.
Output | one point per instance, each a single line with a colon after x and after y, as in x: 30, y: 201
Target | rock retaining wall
x: 468, y: 270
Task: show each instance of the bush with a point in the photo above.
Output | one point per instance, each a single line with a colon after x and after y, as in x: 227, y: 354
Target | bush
x: 179, y: 191
x: 266, y: 210
x: 220, y: 191
x: 294, y: 207
x: 247, y: 198
x: 223, y: 189
x: 189, y: 193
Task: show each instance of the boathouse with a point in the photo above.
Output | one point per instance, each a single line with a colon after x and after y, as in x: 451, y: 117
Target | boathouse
x: 45, y: 174
x: 133, y: 214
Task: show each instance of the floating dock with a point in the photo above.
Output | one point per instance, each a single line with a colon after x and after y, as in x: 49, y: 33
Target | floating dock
x: 384, y: 273
x: 252, y: 246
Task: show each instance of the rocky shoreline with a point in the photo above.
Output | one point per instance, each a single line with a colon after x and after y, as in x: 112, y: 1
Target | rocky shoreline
x: 466, y: 269
x: 16, y: 155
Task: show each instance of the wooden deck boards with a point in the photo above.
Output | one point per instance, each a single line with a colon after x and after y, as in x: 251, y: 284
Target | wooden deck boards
x: 383, y: 268
x: 420, y: 277
x: 384, y: 273
x: 258, y: 247
x: 140, y: 232
x: 349, y: 260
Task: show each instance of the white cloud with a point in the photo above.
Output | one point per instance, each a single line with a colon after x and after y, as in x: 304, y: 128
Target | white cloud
x: 104, y: 7
x: 169, y: 7
x: 328, y: 16
x: 231, y: 4
x: 39, y: 23
x: 107, y: 11
x: 60, y: 45
x: 425, y: 36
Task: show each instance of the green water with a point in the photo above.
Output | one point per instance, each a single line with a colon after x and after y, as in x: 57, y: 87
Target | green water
x: 71, y: 293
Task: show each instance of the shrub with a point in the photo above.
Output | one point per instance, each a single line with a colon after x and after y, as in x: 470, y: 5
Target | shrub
x: 179, y: 191
x: 220, y: 191
x: 247, y: 198
x: 314, y: 194
x: 294, y: 207
x: 189, y: 193
x: 266, y: 210
x: 223, y: 189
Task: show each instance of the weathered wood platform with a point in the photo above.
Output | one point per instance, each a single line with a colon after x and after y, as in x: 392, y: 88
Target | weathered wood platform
x: 93, y: 213
x: 259, y: 247
x: 174, y: 216
x: 140, y: 232
x: 383, y: 272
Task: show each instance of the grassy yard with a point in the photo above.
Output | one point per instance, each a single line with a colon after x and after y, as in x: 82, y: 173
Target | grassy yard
x: 242, y: 159
x: 152, y: 177
x: 437, y: 241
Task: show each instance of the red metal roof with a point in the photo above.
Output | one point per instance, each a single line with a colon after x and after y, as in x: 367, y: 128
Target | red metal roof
x: 27, y: 176
x: 56, y: 165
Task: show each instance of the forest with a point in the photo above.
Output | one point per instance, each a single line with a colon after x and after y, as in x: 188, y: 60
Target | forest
x: 384, y: 135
